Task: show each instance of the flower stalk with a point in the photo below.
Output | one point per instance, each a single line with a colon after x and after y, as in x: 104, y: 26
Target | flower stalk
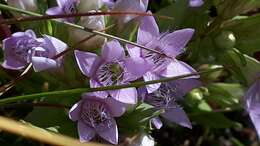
x: 79, y: 91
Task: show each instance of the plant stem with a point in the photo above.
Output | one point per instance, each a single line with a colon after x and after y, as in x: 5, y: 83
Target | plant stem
x: 6, y: 7
x: 40, y: 104
x: 79, y: 91
x: 47, y: 17
x: 12, y: 83
x: 40, y: 134
x: 217, y: 111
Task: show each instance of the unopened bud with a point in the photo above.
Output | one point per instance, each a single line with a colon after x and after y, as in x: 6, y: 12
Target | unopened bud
x: 29, y: 5
x: 92, y: 22
x: 88, y: 5
x: 225, y: 40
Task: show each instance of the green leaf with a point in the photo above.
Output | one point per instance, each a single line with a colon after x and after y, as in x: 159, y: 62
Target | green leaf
x: 54, y: 118
x: 230, y: 8
x: 204, y: 115
x: 180, y: 11
x: 225, y: 94
x: 48, y: 117
x: 213, y: 120
x: 247, y: 35
x: 138, y: 119
x: 246, y: 69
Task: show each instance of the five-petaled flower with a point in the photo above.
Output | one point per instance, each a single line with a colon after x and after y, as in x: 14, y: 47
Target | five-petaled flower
x: 166, y: 98
x: 252, y: 104
x: 96, y: 116
x: 23, y: 48
x: 162, y: 64
x: 108, y: 70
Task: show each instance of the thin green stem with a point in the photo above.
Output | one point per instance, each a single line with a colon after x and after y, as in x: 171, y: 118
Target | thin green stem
x: 79, y: 91
x: 47, y: 17
x: 39, y: 104
x: 12, y: 83
x: 6, y: 7
x: 226, y: 110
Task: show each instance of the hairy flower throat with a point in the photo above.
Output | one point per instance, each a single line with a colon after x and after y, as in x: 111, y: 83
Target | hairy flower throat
x: 164, y: 97
x: 110, y: 74
x: 23, y: 48
x: 96, y: 115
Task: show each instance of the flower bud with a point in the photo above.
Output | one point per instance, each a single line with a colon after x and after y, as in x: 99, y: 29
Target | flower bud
x: 92, y: 22
x: 225, y: 40
x: 88, y: 5
x: 29, y: 5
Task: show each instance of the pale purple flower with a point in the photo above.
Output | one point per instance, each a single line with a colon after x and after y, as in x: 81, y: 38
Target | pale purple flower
x: 196, y: 3
x: 162, y: 64
x: 23, y: 48
x: 252, y: 104
x: 108, y: 70
x: 166, y: 98
x: 95, y: 115
x: 128, y: 6
x: 64, y: 7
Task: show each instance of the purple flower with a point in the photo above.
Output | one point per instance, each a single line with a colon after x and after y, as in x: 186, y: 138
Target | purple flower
x: 165, y: 98
x: 23, y: 48
x: 196, y: 3
x: 96, y: 116
x: 127, y: 5
x: 64, y: 7
x: 252, y: 104
x: 162, y: 64
x: 108, y: 70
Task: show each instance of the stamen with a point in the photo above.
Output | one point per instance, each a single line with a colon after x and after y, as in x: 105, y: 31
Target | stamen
x: 96, y: 115
x: 110, y: 74
x: 23, y: 47
x: 164, y: 97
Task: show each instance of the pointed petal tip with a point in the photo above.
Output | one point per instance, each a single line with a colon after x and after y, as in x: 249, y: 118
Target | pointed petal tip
x: 85, y: 132
x: 111, y: 134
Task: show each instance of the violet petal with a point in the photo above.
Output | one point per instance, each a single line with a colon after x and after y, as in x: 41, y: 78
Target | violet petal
x: 111, y: 134
x: 177, y: 115
x: 86, y: 133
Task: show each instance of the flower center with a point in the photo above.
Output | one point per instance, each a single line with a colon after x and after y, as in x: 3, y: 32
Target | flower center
x: 110, y: 74
x: 96, y: 115
x: 23, y: 48
x: 164, y: 97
